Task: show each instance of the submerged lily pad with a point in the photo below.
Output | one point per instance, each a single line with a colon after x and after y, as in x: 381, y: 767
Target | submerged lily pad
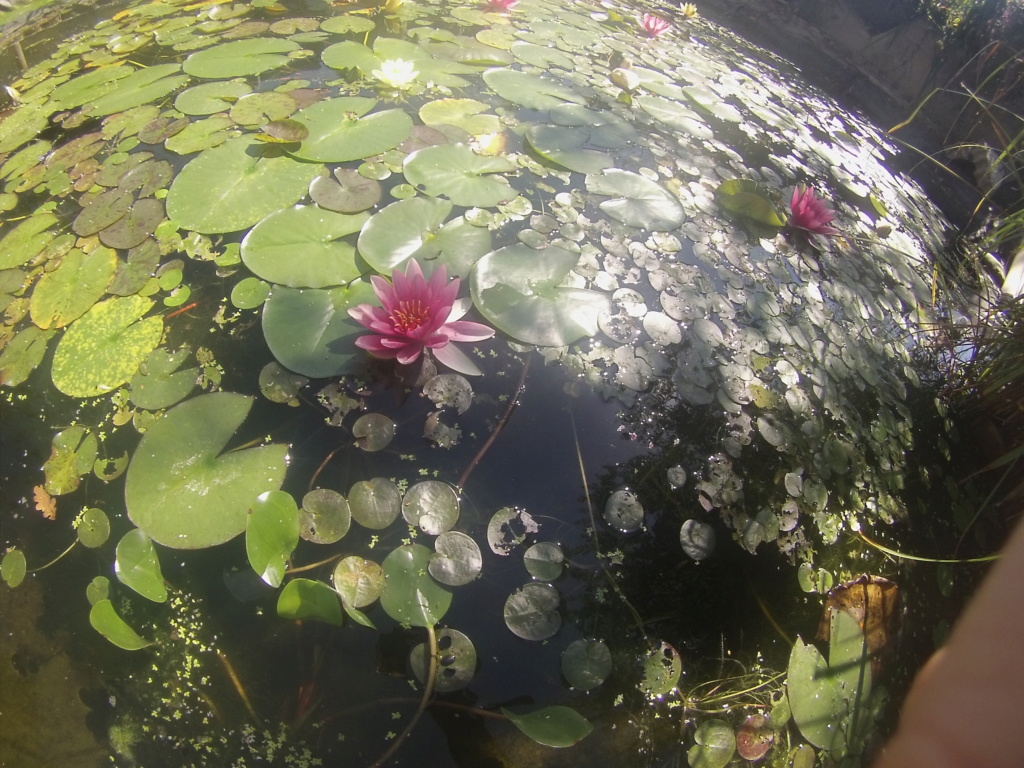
x: 233, y: 186
x: 182, y: 490
x: 302, y: 247
x: 520, y: 291
x: 586, y: 664
x: 104, y: 348
x: 456, y: 172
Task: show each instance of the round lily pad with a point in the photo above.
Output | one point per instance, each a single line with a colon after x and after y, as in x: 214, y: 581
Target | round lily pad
x: 636, y: 200
x: 508, y: 528
x: 348, y: 192
x: 183, y: 490
x: 586, y: 664
x: 358, y: 581
x: 240, y: 57
x: 159, y: 384
x: 373, y: 431
x: 564, y: 146
x: 531, y: 612
x: 411, y: 596
x: 466, y: 114
x: 341, y: 130
x: 456, y: 172
x: 64, y: 295
x: 531, y: 91
x: 210, y: 98
x: 138, y: 88
x: 234, y: 186
x: 456, y: 662
x: 623, y: 511
x: 87, y: 87
x: 375, y: 503
x: 603, y: 129
x: 136, y: 226
x: 715, y: 745
x: 23, y: 354
x: 697, y: 539
x: 519, y: 290
x: 431, y: 505
x: 103, y: 349
x: 545, y: 561
x: 26, y: 240
x: 325, y: 516
x: 662, y: 667
x: 456, y: 560
x: 302, y: 247
x: 93, y: 528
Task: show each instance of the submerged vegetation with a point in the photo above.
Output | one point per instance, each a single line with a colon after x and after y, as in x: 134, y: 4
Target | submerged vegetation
x: 696, y: 408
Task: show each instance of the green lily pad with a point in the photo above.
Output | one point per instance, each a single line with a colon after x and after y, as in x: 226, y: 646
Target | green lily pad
x: 302, y: 247
x: 88, y: 87
x: 348, y: 192
x: 27, y: 122
x: 742, y: 197
x: 519, y: 290
x: 456, y: 664
x: 159, y: 384
x: 104, y: 619
x: 455, y: 171
x: 101, y: 211
x: 604, y: 129
x: 411, y: 596
x: 138, y: 88
x: 211, y: 98
x: 462, y: 113
x: 201, y: 134
x: 716, y: 744
x: 309, y: 599
x: 531, y: 91
x: 27, y: 239
x: 182, y: 490
x: 375, y: 503
x: 531, y: 612
x: 104, y: 348
x: 93, y: 528
x: 66, y: 293
x: 137, y: 225
x: 309, y: 330
x: 541, y: 56
x: 456, y: 560
x: 341, y: 130
x: 676, y: 116
x: 431, y: 505
x: 325, y: 516
x: 271, y: 534
x: 637, y: 200
x: 72, y: 455
x: 552, y: 726
x: 234, y: 186
x: 350, y: 55
x: 360, y: 582
x: 258, y: 108
x: 343, y: 25
x: 564, y: 146
x: 239, y: 58
x: 13, y: 568
x: 373, y: 431
x: 249, y: 293
x: 586, y: 664
x: 415, y: 229
x: 662, y: 667
x: 137, y: 566
x: 545, y: 561
x: 23, y: 354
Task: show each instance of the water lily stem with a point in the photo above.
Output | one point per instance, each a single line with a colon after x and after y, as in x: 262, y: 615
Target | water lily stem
x: 428, y: 693
x: 58, y: 557
x: 512, y: 403
x: 918, y: 558
x: 311, y: 566
x: 235, y: 681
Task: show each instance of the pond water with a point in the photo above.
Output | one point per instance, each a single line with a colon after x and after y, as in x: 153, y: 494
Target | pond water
x: 615, y: 531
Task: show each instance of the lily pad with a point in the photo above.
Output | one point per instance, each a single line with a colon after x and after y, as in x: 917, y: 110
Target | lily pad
x: 564, y: 146
x: 240, y: 57
x: 360, y: 582
x: 234, y: 186
x: 309, y: 599
x: 545, y: 561
x: 742, y: 197
x: 466, y: 114
x: 456, y: 172
x: 87, y: 87
x: 310, y: 332
x: 27, y: 239
x: 520, y: 291
x: 662, y: 667
x: 456, y: 664
x: 586, y: 664
x: 623, y: 511
x: 375, y: 503
x: 552, y: 726
x: 138, y: 88
x: 431, y: 505
x: 137, y: 225
x: 348, y: 192
x: 93, y: 528
x: 159, y: 384
x: 137, y: 567
x: 302, y: 247
x: 531, y: 612
x: 13, y: 568
x: 211, y: 98
x: 603, y: 129
x: 101, y: 211
x: 531, y: 91
x: 697, y: 539
x: 637, y: 200
x: 201, y: 134
x: 104, y: 348
x: 341, y: 130
x: 411, y: 596
x: 373, y: 431
x: 72, y: 455
x: 457, y: 559
x: 66, y: 293
x: 508, y: 528
x: 23, y: 354
x: 271, y: 534
x: 182, y: 490
x: 676, y: 116
x: 104, y: 619
x: 324, y: 517
x: 715, y: 745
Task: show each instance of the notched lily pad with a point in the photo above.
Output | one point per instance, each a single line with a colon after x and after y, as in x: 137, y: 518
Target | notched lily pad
x: 457, y: 559
x: 431, y: 505
x: 531, y: 612
x: 325, y: 516
x: 456, y: 662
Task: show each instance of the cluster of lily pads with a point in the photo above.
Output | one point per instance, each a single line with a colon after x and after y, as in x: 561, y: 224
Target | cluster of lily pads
x: 614, y: 196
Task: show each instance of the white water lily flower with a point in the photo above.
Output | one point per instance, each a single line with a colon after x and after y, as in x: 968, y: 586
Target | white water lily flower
x: 396, y: 73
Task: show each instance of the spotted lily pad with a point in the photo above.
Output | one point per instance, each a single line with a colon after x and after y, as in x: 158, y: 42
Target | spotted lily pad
x: 341, y: 130
x: 182, y: 490
x: 104, y: 348
x: 66, y: 293
x: 456, y: 663
x: 662, y: 667
x: 234, y: 186
x: 72, y: 455
x: 456, y: 172
x: 302, y: 247
x: 239, y: 57
x: 520, y: 290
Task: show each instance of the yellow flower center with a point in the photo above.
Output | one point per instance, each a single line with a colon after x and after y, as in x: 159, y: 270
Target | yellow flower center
x: 410, y: 315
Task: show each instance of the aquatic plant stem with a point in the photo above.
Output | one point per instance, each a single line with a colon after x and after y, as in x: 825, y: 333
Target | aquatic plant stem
x: 428, y: 692
x: 919, y: 559
x: 239, y: 688
x: 512, y: 403
x: 58, y: 557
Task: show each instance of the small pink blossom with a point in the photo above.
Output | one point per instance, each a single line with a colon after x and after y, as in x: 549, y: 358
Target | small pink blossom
x: 810, y: 213
x: 500, y: 5
x: 415, y: 315
x: 655, y: 25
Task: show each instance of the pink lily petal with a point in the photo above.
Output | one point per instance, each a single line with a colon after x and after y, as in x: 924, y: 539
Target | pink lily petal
x: 457, y: 360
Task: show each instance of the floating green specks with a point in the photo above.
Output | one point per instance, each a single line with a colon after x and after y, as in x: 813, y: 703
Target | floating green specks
x: 103, y: 349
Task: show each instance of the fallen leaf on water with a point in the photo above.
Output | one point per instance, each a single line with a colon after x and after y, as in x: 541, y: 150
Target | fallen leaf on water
x: 45, y: 503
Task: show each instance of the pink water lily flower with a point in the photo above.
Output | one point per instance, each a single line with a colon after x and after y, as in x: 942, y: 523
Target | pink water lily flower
x: 500, y: 5
x: 810, y: 213
x: 416, y: 315
x: 655, y: 25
